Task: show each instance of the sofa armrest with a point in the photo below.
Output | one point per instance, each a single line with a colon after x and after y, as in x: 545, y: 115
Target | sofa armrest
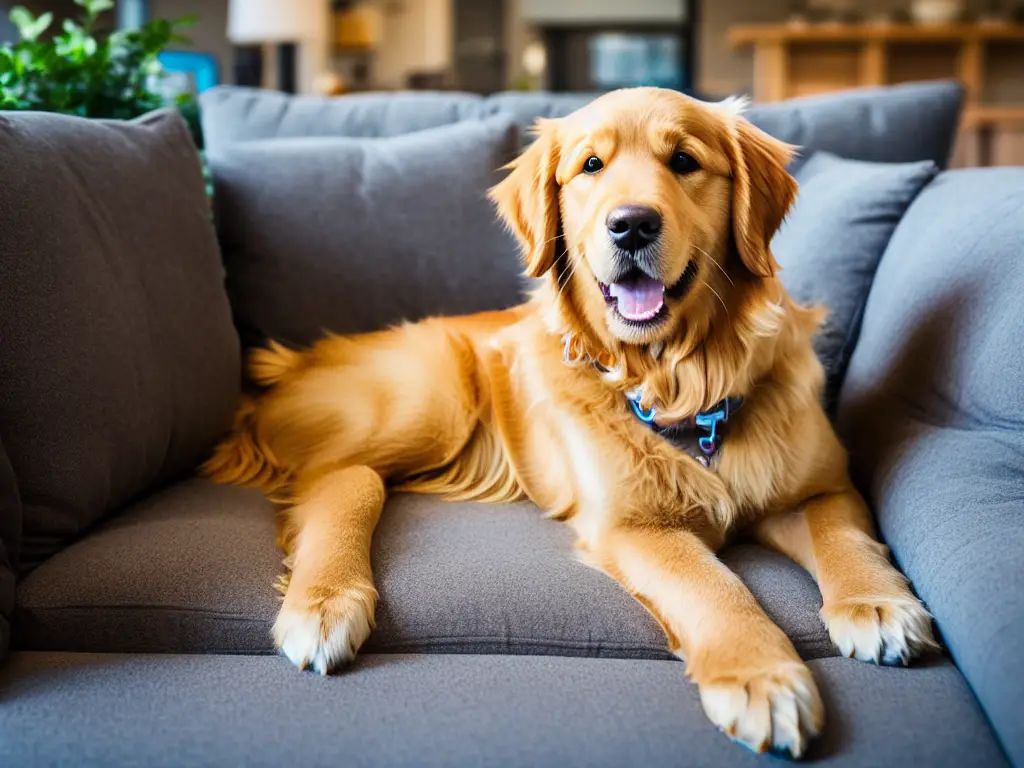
x: 932, y: 410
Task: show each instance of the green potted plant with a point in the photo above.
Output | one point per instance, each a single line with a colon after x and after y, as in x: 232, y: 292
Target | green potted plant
x: 78, y: 71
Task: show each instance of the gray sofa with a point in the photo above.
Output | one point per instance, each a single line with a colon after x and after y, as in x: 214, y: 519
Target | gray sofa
x: 137, y: 599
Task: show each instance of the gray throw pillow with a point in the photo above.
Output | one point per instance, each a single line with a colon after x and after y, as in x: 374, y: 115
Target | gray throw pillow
x: 10, y: 539
x: 830, y: 245
x: 351, y: 235
x: 119, y: 361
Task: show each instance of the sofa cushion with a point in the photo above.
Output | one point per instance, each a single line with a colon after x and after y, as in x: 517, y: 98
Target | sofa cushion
x: 357, y: 234
x: 119, y: 362
x: 526, y: 107
x: 895, y: 124
x: 933, y: 412
x: 10, y: 539
x: 191, y: 570
x: 113, y: 712
x: 830, y: 245
x: 892, y: 124
x: 231, y: 114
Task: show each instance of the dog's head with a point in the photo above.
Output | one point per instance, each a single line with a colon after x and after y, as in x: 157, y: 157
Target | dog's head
x: 645, y: 208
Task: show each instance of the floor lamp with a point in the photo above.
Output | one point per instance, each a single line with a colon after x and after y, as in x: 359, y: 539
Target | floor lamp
x: 286, y: 23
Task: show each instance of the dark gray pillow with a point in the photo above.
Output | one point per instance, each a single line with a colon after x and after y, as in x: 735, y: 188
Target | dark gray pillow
x: 352, y: 235
x: 933, y: 413
x: 10, y: 540
x: 830, y: 245
x: 119, y: 362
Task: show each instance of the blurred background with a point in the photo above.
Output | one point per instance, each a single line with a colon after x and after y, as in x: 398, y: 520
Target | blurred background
x: 769, y: 49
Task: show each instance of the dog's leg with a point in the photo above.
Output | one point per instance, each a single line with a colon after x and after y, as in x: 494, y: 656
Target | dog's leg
x: 867, y: 605
x: 752, y: 683
x: 330, y: 598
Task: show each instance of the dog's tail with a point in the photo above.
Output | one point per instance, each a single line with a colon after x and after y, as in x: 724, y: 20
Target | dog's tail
x: 243, y: 458
x: 270, y: 365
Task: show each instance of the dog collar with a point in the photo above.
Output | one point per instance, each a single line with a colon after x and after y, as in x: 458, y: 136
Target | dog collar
x: 706, y: 426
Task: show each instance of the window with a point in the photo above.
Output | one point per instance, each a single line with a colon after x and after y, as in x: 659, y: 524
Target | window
x: 621, y: 60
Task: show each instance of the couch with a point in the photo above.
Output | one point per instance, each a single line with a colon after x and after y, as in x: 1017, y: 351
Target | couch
x: 136, y: 598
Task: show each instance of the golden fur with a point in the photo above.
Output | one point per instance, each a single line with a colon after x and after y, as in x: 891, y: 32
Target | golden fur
x: 530, y: 403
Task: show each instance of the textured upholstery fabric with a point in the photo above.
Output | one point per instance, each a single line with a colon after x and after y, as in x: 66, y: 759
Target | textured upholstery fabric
x: 10, y: 538
x: 119, y: 362
x: 191, y: 569
x: 830, y: 245
x: 188, y: 570
x: 526, y: 107
x: 933, y: 412
x: 897, y: 124
x: 436, y: 710
x: 356, y: 234
x: 231, y: 114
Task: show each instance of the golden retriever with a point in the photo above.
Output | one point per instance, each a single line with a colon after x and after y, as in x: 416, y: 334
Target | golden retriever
x: 659, y: 393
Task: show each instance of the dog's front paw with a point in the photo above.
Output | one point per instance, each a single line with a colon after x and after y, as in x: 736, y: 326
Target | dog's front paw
x: 777, y: 709
x: 883, y: 630
x: 322, y: 628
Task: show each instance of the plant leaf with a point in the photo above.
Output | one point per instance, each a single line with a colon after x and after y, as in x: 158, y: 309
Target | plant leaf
x: 22, y: 18
x: 31, y: 31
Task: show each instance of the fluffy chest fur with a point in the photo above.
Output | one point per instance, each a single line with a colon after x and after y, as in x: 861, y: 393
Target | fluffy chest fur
x: 579, y: 452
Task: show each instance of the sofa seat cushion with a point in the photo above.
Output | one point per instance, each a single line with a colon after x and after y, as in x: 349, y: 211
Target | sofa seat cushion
x: 191, y: 570
x: 933, y: 412
x: 429, y: 710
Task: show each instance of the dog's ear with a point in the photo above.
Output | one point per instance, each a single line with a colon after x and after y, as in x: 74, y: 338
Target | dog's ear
x: 762, y: 193
x: 527, y: 200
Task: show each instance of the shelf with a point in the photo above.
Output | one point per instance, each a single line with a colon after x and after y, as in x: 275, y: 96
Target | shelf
x: 754, y: 34
x: 995, y: 116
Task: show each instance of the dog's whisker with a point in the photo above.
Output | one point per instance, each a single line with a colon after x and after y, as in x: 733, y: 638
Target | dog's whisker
x: 717, y: 296
x: 567, y: 278
x: 717, y: 265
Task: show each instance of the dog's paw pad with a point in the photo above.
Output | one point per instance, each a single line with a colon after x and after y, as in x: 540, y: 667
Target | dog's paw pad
x: 883, y: 631
x: 323, y: 631
x: 776, y: 711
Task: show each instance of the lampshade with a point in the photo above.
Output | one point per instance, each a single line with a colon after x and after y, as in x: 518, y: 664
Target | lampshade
x: 358, y: 28
x: 275, y: 21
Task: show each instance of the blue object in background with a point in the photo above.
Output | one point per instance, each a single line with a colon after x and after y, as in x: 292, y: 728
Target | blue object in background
x: 202, y: 67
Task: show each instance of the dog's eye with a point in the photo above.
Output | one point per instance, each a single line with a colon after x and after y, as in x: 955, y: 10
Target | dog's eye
x: 593, y: 164
x: 683, y: 163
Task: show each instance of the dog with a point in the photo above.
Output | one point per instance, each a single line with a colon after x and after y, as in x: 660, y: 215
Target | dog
x: 658, y: 392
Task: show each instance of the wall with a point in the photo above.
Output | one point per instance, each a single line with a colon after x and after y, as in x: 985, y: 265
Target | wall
x: 599, y: 11
x: 209, y: 35
x: 720, y: 70
x: 61, y: 10
x: 417, y: 37
x: 7, y: 31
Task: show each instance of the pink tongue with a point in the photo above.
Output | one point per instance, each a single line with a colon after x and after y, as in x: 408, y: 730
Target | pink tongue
x: 639, y: 299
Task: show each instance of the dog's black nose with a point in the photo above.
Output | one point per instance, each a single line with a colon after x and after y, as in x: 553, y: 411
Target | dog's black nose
x: 633, y: 226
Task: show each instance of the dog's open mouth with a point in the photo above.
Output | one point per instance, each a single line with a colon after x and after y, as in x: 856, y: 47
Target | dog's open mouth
x: 639, y: 298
